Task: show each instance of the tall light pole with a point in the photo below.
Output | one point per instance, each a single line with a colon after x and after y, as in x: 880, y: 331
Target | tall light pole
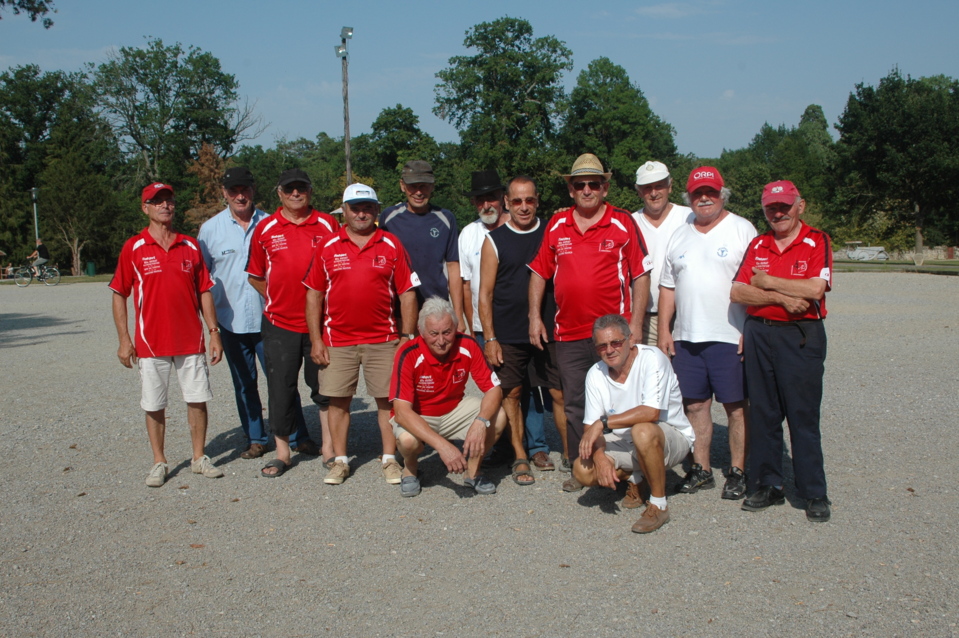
x: 36, y: 225
x: 346, y: 33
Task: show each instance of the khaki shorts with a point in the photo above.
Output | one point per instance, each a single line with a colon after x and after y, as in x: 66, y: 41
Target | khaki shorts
x: 651, y: 330
x: 450, y: 426
x: 191, y: 372
x: 340, y: 378
x: 619, y: 447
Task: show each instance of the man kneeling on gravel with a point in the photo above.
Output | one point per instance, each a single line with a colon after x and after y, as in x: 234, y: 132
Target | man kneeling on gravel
x: 633, y: 396
x: 428, y: 390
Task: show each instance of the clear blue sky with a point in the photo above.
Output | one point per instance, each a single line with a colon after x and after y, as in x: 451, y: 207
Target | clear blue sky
x: 714, y: 69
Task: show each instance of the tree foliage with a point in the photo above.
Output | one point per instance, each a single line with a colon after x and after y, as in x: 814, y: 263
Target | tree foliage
x: 33, y: 8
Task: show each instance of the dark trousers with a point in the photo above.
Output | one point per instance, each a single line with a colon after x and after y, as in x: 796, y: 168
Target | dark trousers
x: 285, y: 352
x: 241, y: 352
x: 784, y: 381
x: 574, y: 359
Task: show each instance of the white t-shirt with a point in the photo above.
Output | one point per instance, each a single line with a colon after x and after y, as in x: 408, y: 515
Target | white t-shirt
x: 656, y: 239
x: 471, y: 247
x: 651, y: 382
x: 701, y: 267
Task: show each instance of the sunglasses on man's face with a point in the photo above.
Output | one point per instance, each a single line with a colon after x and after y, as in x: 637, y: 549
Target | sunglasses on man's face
x: 295, y: 186
x: 593, y: 186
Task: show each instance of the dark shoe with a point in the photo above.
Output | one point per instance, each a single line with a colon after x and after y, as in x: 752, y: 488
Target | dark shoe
x: 409, y: 486
x: 735, y: 487
x: 697, y: 479
x: 542, y: 462
x: 633, y: 498
x: 566, y: 465
x: 764, y: 497
x: 255, y: 451
x: 817, y: 510
x: 651, y: 520
x: 307, y: 447
x: 572, y: 485
x: 481, y: 485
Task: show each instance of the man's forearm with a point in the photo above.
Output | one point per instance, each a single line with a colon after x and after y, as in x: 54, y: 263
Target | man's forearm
x: 259, y: 284
x: 314, y: 310
x: 813, y: 288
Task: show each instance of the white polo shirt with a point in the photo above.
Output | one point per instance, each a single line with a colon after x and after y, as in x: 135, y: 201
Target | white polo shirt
x: 656, y: 240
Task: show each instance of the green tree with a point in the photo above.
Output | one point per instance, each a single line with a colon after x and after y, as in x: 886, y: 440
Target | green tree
x: 898, y: 144
x: 33, y: 8
x: 506, y: 99
x: 609, y: 116
x: 165, y: 102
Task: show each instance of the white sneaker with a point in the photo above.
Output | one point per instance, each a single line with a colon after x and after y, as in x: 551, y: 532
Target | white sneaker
x: 157, y: 475
x: 204, y: 466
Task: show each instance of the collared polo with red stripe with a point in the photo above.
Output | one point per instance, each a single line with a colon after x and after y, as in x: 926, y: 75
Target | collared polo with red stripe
x: 808, y: 256
x: 280, y: 252
x: 360, y: 287
x: 166, y: 287
x: 433, y: 387
x: 592, y: 271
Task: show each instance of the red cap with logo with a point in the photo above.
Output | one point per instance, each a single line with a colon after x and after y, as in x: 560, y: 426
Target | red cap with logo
x: 704, y: 176
x: 150, y: 191
x: 781, y: 192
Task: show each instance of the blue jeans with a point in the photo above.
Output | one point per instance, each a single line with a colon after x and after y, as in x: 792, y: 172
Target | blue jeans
x: 241, y: 352
x: 533, y: 409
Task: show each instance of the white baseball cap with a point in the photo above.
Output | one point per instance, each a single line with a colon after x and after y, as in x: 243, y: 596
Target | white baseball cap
x: 356, y: 193
x: 651, y: 172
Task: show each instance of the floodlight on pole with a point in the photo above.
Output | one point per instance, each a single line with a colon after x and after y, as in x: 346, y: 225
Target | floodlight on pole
x: 346, y: 33
x: 36, y: 225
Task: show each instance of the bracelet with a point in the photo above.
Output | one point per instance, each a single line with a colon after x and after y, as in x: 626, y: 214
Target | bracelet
x: 214, y: 331
x: 491, y: 339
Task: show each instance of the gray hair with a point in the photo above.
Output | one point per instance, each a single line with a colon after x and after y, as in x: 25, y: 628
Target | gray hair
x: 612, y: 321
x: 723, y: 192
x: 435, y: 308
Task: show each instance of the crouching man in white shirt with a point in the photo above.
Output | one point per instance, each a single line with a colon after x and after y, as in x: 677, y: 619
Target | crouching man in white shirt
x: 637, y: 425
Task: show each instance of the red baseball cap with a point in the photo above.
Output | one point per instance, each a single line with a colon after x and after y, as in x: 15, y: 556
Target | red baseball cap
x: 704, y: 176
x: 151, y: 191
x: 781, y: 192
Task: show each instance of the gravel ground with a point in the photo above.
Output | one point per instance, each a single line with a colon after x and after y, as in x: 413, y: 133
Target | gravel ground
x: 89, y: 550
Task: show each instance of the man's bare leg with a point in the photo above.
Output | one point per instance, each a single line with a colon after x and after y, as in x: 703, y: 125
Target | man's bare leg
x: 156, y: 431
x: 650, y: 442
x: 559, y: 418
x: 338, y: 419
x: 411, y: 448
x: 196, y: 417
x: 738, y: 429
x: 697, y: 411
x: 386, y: 428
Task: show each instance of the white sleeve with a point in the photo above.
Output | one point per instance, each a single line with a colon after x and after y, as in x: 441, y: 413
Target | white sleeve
x: 654, y: 391
x: 466, y: 272
x: 666, y: 274
x: 596, y: 401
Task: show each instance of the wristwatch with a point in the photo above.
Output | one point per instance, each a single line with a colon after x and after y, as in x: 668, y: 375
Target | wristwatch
x: 409, y: 336
x: 482, y: 420
x: 605, y: 421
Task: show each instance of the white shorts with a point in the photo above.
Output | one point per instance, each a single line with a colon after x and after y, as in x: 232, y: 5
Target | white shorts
x: 451, y: 426
x: 620, y: 448
x: 191, y: 372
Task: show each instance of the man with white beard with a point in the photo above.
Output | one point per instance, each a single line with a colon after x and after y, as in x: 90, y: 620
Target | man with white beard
x: 487, y: 197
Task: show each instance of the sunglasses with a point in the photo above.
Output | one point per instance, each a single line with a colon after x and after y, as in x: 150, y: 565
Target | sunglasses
x: 601, y: 347
x: 530, y: 201
x: 593, y: 186
x: 295, y: 186
x: 161, y: 202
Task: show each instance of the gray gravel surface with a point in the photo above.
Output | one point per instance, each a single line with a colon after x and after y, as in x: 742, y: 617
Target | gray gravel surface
x: 88, y: 550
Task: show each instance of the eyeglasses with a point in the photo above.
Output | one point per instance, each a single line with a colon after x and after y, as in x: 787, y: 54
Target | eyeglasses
x: 161, y: 202
x: 295, y: 186
x: 593, y: 186
x: 530, y: 201
x: 601, y: 347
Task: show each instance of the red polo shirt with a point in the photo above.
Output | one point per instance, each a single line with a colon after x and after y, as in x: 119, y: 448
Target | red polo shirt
x: 809, y: 256
x: 280, y: 252
x: 434, y: 388
x: 166, y: 288
x: 361, y: 286
x: 592, y: 272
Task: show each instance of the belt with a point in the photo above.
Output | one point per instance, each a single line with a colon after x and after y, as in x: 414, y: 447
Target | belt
x: 798, y: 323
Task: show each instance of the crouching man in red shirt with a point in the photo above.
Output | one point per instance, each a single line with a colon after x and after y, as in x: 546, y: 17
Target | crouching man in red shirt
x: 429, y: 406
x: 171, y: 286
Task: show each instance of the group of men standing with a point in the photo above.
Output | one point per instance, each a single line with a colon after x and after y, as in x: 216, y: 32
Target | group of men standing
x: 631, y: 322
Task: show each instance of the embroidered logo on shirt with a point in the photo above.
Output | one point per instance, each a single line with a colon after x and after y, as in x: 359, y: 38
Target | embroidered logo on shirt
x: 459, y: 376
x: 722, y: 252
x: 186, y: 265
x: 606, y: 246
x: 799, y: 268
x: 379, y: 261
x: 564, y: 246
x: 434, y: 232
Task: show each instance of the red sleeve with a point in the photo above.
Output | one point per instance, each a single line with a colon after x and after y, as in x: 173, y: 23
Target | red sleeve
x: 316, y: 277
x: 482, y: 374
x: 544, y: 263
x: 402, y: 384
x: 637, y: 255
x: 256, y: 263
x: 204, y: 281
x: 745, y: 273
x: 827, y: 267
x: 122, y: 282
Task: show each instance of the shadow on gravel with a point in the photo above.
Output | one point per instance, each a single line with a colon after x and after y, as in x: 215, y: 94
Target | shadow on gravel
x: 18, y: 330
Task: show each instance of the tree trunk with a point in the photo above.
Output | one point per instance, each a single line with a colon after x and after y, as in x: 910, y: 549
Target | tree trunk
x: 918, y: 258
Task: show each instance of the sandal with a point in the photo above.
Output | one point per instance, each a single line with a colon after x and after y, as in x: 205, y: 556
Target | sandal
x: 518, y: 473
x: 280, y: 466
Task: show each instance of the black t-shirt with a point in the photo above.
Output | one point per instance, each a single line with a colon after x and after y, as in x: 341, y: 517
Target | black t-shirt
x: 42, y: 252
x: 515, y: 250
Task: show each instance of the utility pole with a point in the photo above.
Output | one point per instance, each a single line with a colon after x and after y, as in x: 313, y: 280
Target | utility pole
x: 36, y: 225
x: 346, y: 33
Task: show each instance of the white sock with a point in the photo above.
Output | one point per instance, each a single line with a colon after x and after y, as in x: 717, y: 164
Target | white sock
x: 388, y: 457
x: 658, y: 501
x: 342, y: 459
